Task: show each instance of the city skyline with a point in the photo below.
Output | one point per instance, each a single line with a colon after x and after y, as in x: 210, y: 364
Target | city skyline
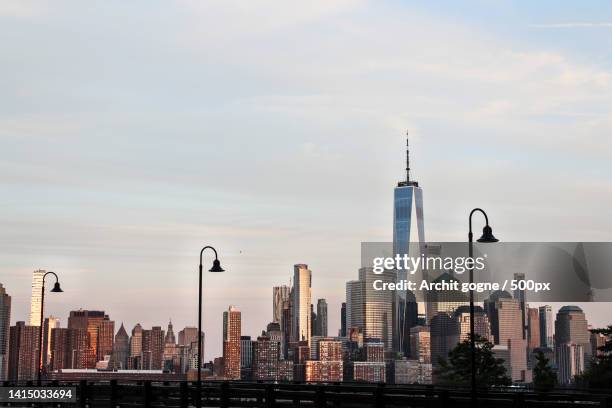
x: 285, y: 151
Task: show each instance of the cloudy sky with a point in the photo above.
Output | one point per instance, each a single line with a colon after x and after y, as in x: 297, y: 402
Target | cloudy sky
x: 132, y: 134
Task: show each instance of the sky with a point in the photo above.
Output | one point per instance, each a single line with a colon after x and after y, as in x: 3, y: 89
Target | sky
x: 132, y: 134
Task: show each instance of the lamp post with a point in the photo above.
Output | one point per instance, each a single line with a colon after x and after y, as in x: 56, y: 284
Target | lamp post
x: 56, y: 288
x: 487, y: 236
x: 216, y: 267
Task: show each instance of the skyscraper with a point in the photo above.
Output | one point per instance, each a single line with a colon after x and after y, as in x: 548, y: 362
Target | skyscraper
x: 23, y: 352
x: 408, y: 228
x: 302, y: 283
x: 280, y: 294
x: 152, y: 348
x: 121, y: 349
x: 49, y: 324
x: 5, y: 323
x: 368, y: 309
x: 572, y: 342
x: 134, y: 361
x: 321, y: 318
x: 546, y: 326
x: 36, y: 298
x: 533, y: 328
x: 231, y: 343
x: 92, y: 320
x: 343, y: 320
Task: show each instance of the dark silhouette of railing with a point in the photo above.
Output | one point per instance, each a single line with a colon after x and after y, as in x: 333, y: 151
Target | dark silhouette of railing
x: 352, y: 395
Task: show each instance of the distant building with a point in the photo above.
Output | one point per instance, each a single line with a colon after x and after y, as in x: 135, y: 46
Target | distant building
x: 367, y: 371
x: 23, y: 352
x: 444, y: 332
x: 572, y: 342
x: 323, y: 371
x: 409, y: 372
x: 280, y: 295
x: 231, y: 343
x: 533, y: 329
x: 152, y: 348
x: 36, y: 298
x: 321, y: 317
x: 482, y: 326
x: 570, y: 361
x: 69, y: 348
x: 546, y: 326
x: 5, y: 323
x: 420, y: 344
x: 301, y: 316
x: 100, y: 331
x: 121, y: 349
x: 49, y: 324
x: 368, y: 309
x: 343, y: 320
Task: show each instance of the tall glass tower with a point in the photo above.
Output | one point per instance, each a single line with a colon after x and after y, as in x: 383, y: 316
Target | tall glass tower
x: 408, y: 229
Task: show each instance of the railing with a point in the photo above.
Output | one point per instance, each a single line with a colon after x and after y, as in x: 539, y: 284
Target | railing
x: 351, y: 395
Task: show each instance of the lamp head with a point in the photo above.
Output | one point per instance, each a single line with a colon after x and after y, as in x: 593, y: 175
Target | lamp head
x: 56, y: 288
x: 487, y: 235
x: 216, y: 267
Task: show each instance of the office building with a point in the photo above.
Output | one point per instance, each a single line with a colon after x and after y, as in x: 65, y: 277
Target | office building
x: 23, y: 352
x: 121, y: 349
x: 49, y: 324
x: 321, y: 318
x: 533, y: 329
x: 280, y: 294
x: 36, y: 297
x: 5, y: 324
x: 420, y: 344
x: 570, y: 361
x: 231, y: 343
x: 152, y: 348
x: 100, y: 332
x: 482, y: 327
x: 546, y: 327
x: 343, y: 320
x: 301, y: 317
x: 370, y: 310
x: 408, y: 228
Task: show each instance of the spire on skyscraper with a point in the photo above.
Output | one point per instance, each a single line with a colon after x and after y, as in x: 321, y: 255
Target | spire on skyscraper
x: 407, y: 182
x: 407, y: 159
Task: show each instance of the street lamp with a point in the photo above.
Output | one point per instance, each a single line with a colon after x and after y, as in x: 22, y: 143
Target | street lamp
x: 56, y: 289
x: 216, y: 267
x: 487, y: 236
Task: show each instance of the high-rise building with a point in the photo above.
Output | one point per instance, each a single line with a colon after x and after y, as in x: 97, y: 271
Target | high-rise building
x: 343, y: 320
x: 69, y: 348
x: 482, y: 327
x: 408, y: 228
x: 5, y: 324
x: 302, y: 283
x: 172, y: 356
x: 121, y: 349
x: 266, y: 355
x: 231, y: 343
x: 546, y: 326
x: 246, y: 352
x: 136, y: 341
x: 444, y: 332
x: 444, y: 301
x: 49, y: 324
x: 91, y: 320
x: 280, y: 294
x: 505, y: 316
x: 23, y: 352
x: 572, y: 342
x: 370, y: 310
x: 420, y: 344
x: 533, y: 328
x: 570, y: 361
x: 321, y: 318
x: 36, y: 298
x: 187, y: 336
x: 152, y: 348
